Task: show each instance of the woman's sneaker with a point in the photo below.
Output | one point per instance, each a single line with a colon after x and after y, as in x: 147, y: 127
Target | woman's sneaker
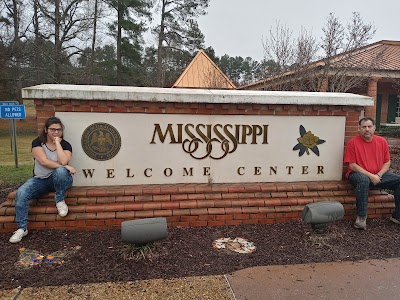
x: 394, y: 220
x: 361, y: 223
x: 18, y: 235
x: 62, y: 208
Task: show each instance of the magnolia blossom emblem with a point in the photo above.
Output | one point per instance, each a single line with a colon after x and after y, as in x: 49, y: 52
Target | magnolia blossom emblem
x: 308, y: 141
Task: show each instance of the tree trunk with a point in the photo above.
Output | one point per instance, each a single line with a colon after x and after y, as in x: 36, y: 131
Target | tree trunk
x: 37, y: 42
x: 160, y: 50
x: 57, y: 43
x: 119, y: 42
x: 36, y: 19
x: 93, y: 40
x: 17, y: 52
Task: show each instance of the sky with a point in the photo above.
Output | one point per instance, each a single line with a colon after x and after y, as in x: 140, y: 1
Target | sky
x: 237, y: 27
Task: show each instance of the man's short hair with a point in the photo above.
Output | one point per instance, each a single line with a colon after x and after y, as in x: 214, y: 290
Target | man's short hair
x: 366, y: 119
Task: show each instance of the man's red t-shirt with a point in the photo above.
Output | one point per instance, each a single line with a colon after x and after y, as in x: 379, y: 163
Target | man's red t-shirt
x: 368, y: 155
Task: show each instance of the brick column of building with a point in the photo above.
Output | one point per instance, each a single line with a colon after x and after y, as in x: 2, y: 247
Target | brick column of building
x: 370, y: 111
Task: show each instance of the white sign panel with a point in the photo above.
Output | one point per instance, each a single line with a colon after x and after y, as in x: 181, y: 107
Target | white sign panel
x: 125, y: 149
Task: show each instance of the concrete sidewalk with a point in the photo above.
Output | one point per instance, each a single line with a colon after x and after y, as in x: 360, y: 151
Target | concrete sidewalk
x: 372, y: 279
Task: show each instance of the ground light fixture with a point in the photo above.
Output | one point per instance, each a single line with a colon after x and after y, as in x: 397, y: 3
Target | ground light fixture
x: 320, y: 214
x: 144, y: 231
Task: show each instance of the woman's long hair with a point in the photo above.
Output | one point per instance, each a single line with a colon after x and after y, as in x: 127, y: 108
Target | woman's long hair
x: 50, y: 121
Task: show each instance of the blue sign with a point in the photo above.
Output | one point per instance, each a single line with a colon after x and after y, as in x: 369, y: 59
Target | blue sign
x: 8, y: 102
x: 12, y: 112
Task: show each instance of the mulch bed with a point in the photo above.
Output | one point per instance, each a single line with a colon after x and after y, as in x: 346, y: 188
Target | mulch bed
x: 189, y: 252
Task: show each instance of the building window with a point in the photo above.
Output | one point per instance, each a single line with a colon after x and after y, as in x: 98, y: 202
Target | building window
x: 398, y: 107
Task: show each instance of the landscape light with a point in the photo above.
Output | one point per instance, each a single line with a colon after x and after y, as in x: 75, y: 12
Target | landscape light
x: 320, y: 214
x: 144, y: 231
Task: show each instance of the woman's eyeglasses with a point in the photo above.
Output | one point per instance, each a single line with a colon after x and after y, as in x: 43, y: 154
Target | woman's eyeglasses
x: 53, y: 130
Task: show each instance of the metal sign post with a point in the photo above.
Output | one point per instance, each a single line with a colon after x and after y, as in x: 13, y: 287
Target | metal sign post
x: 14, y: 142
x: 12, y: 111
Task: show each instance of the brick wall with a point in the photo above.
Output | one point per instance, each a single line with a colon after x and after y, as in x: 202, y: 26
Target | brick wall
x: 191, y: 204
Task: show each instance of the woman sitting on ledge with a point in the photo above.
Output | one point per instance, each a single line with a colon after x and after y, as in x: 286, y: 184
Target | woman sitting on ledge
x: 51, y: 173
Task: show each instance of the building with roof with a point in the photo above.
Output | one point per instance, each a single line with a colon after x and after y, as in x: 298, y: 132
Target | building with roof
x: 202, y: 72
x: 372, y: 70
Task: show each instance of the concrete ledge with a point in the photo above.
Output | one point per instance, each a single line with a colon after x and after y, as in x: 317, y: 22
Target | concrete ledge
x: 190, y: 204
x: 128, y: 93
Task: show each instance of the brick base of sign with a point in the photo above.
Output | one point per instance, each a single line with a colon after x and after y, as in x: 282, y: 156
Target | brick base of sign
x: 190, y: 205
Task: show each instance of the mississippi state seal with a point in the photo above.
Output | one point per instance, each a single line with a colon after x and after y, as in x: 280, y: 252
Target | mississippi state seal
x: 101, y: 141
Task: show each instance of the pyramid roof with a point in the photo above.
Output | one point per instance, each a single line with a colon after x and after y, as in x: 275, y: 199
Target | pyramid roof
x: 202, y: 72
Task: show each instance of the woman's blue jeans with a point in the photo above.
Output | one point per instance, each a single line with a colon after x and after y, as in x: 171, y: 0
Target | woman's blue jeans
x: 362, y: 185
x: 59, y: 181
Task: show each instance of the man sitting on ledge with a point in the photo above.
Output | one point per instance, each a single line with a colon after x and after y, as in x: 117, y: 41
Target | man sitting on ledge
x: 368, y: 161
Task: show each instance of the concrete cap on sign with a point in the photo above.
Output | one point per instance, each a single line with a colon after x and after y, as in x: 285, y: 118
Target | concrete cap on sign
x: 151, y: 94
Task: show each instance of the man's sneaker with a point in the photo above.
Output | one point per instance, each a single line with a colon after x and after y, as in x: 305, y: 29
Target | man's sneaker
x: 394, y: 220
x: 62, y: 208
x: 361, y: 223
x: 18, y: 235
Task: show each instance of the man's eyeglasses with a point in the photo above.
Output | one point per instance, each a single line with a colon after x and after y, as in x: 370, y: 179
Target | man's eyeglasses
x: 53, y: 130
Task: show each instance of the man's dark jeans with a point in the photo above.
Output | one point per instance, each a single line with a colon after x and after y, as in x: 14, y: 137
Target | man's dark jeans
x: 362, y: 185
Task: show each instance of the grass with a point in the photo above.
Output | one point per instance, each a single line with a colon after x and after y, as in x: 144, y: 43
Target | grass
x: 9, y: 174
x: 137, y: 252
x: 24, y: 143
x: 13, y: 175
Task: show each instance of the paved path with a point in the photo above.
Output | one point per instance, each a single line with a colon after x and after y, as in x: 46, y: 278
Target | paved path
x: 372, y: 279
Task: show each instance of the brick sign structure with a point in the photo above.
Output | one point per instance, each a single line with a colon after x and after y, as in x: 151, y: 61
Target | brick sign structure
x: 198, y: 157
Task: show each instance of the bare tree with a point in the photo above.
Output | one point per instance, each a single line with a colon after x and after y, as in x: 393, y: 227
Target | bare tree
x: 306, y: 48
x: 279, y: 47
x: 68, y: 22
x: 339, y: 67
x: 284, y: 53
x: 12, y: 29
